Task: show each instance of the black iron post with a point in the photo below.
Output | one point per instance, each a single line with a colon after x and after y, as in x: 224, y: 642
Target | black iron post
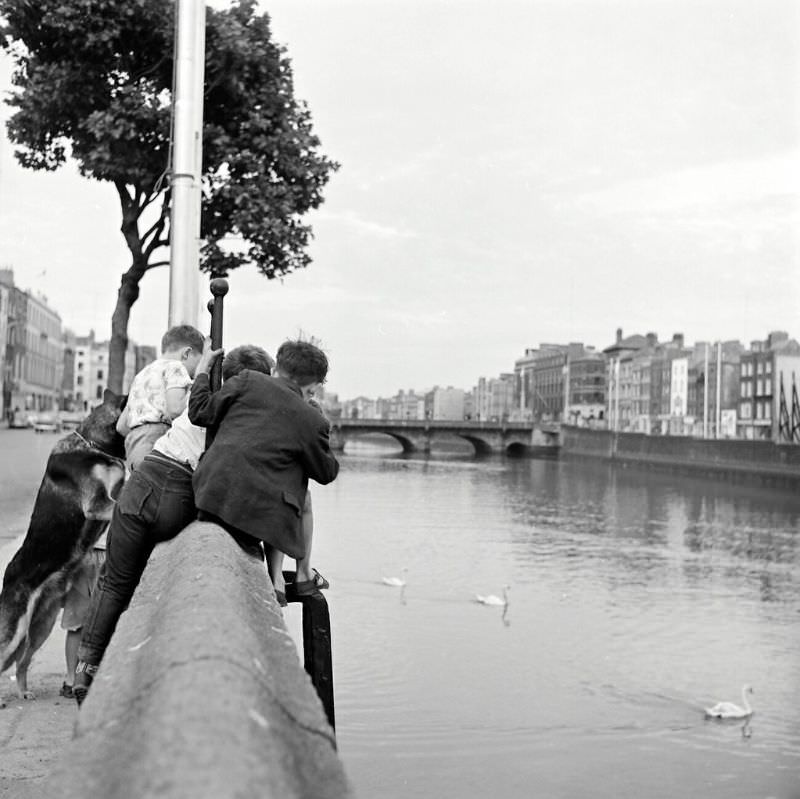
x: 219, y: 288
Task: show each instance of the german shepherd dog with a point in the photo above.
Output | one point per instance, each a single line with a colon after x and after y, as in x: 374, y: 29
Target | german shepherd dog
x: 84, y: 473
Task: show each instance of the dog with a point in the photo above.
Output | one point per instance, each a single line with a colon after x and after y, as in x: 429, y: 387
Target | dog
x: 84, y: 473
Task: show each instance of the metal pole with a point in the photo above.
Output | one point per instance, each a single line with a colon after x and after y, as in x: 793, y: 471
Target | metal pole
x: 705, y: 396
x: 219, y: 288
x: 184, y: 289
x: 719, y: 388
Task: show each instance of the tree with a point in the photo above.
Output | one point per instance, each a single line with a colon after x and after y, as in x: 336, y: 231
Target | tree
x: 93, y: 81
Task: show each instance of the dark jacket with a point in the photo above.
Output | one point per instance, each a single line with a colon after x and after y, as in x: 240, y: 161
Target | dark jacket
x: 268, y: 442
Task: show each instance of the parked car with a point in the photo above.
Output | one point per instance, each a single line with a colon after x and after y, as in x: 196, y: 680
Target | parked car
x: 71, y: 420
x: 20, y: 419
x: 47, y: 423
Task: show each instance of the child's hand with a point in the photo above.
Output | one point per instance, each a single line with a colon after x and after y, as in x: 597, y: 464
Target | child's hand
x: 208, y: 357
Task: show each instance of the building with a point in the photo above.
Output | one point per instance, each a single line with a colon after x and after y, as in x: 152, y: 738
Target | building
x: 360, y: 408
x: 404, y: 405
x: 715, y: 374
x: 68, y: 402
x: 91, y: 369
x: 447, y: 404
x: 769, y: 381
x: 621, y: 394
x: 5, y: 299
x: 144, y: 354
x: 492, y: 399
x: 586, y: 386
x: 560, y: 382
x: 34, y: 350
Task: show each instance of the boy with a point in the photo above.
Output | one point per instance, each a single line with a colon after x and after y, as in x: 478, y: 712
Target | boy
x: 268, y: 442
x: 158, y: 393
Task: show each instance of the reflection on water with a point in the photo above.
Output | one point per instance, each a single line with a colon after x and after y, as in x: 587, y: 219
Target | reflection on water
x: 637, y: 599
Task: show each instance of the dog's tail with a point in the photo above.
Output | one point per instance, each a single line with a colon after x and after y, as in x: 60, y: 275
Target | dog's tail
x: 16, y: 610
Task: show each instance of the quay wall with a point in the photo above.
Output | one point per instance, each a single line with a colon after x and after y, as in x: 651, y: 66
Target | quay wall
x: 763, y: 461
x: 201, y: 694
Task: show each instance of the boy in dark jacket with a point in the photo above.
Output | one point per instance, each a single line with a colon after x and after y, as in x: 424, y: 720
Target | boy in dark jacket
x: 268, y: 441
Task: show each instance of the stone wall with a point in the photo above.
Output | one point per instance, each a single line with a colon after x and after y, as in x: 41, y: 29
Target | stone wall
x: 763, y: 460
x: 201, y: 694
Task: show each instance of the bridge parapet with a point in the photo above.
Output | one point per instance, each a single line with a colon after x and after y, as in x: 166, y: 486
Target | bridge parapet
x: 418, y: 435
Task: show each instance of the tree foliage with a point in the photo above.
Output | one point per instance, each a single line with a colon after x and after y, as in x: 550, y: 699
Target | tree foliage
x: 93, y: 82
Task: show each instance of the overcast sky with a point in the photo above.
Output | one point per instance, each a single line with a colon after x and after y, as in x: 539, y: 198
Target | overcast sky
x: 512, y: 173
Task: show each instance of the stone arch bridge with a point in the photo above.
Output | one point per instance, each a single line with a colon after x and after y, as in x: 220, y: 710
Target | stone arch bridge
x: 488, y: 438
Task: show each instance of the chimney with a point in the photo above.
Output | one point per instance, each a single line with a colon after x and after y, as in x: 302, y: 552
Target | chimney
x: 619, y: 335
x: 677, y: 340
x: 652, y: 339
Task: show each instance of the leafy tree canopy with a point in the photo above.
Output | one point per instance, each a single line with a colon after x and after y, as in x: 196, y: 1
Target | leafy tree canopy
x: 93, y: 82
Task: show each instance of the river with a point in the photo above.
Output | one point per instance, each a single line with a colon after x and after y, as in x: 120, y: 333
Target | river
x: 636, y: 599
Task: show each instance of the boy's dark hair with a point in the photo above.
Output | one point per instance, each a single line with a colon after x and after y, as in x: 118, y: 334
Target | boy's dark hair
x: 302, y: 362
x: 248, y: 356
x: 182, y: 336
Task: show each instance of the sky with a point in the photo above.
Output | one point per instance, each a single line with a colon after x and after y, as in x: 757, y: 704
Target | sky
x: 511, y: 173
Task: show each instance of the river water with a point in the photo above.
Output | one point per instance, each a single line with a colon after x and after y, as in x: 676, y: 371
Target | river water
x: 636, y: 599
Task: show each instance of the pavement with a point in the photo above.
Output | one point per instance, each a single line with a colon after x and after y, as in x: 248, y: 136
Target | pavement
x: 33, y: 732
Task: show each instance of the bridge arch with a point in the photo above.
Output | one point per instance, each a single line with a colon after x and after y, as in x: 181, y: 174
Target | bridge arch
x: 480, y: 445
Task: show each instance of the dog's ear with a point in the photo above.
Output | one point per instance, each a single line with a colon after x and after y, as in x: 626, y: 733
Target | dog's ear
x: 117, y: 400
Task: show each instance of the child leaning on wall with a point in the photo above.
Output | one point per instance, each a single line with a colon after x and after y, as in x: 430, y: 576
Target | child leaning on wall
x: 159, y: 392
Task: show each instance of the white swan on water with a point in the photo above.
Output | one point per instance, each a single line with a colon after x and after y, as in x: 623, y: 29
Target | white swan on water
x: 728, y: 710
x: 395, y: 582
x: 492, y: 599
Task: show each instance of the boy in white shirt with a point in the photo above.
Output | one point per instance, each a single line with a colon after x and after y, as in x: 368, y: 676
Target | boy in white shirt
x: 159, y: 392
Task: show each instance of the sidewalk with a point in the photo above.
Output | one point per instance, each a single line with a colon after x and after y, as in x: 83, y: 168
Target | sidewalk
x: 33, y: 733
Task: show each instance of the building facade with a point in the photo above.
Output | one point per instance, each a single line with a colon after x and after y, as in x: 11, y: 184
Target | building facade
x: 91, y: 369
x: 768, y: 379
x: 34, y: 351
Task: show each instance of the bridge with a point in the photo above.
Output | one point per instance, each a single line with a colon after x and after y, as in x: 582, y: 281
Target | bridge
x: 488, y: 438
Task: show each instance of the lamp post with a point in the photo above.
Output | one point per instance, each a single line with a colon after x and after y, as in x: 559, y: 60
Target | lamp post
x: 184, y: 289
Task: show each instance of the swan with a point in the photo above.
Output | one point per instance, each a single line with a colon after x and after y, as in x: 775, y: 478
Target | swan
x: 728, y: 710
x: 395, y: 582
x: 491, y: 599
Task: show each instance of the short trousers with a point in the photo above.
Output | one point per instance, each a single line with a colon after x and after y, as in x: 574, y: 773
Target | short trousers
x: 77, y: 599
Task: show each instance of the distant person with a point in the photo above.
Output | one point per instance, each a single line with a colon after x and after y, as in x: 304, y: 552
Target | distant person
x: 268, y: 442
x: 156, y: 503
x: 159, y: 392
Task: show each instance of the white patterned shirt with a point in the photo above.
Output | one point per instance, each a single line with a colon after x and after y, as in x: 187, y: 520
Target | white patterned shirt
x: 147, y: 398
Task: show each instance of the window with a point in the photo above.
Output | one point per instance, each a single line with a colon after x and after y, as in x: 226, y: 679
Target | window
x: 767, y: 410
x: 99, y: 374
x: 760, y: 368
x: 79, y: 380
x: 760, y: 387
x: 759, y: 410
x: 768, y: 367
x: 80, y: 366
x: 99, y: 393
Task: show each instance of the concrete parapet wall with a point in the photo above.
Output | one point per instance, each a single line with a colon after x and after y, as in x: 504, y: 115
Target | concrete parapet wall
x: 778, y: 463
x: 201, y: 694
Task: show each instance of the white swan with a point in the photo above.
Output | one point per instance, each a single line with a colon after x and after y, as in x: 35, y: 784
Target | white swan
x: 491, y: 599
x: 728, y: 710
x: 395, y: 582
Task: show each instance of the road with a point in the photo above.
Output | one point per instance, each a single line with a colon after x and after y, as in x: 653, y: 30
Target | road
x: 32, y: 733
